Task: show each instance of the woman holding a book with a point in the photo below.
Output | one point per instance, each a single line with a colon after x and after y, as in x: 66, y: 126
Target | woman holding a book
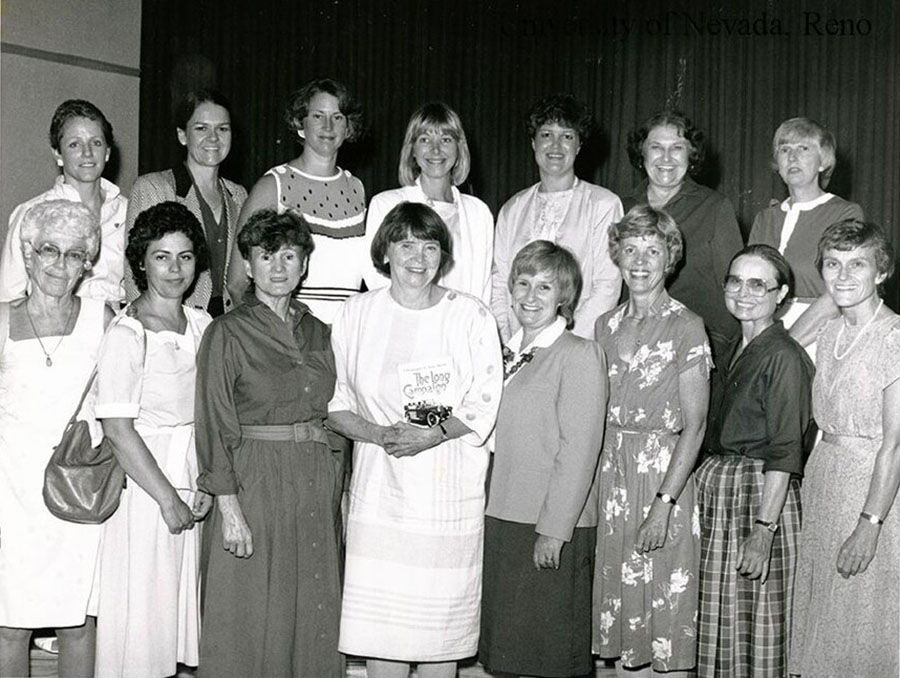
x: 419, y: 377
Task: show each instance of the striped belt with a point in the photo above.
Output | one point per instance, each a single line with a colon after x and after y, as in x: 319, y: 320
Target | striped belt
x: 312, y: 431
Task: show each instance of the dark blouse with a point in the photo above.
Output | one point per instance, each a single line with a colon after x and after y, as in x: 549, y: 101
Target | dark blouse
x: 255, y: 369
x: 761, y: 405
x: 711, y: 237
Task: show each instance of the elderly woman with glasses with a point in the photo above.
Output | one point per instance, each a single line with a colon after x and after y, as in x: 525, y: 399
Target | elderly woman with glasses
x: 847, y: 602
x: 645, y: 581
x: 434, y: 160
x: 49, y: 341
x: 748, y: 486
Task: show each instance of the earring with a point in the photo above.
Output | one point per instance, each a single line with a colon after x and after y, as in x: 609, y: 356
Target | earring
x: 59, y: 162
x: 302, y: 134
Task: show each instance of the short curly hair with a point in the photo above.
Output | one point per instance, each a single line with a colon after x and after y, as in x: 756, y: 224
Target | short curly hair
x: 795, y: 129
x: 270, y: 231
x: 644, y: 221
x: 157, y: 222
x: 563, y: 109
x: 440, y: 117
x: 411, y: 220
x: 60, y: 216
x: 298, y: 106
x: 77, y: 108
x: 543, y: 256
x: 692, y: 134
x: 852, y: 233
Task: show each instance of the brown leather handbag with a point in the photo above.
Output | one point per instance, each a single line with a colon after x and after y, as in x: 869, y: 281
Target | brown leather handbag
x: 82, y: 483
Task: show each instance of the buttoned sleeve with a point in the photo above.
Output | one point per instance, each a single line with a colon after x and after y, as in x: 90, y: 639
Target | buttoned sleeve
x: 218, y: 428
x: 479, y: 405
x: 580, y: 414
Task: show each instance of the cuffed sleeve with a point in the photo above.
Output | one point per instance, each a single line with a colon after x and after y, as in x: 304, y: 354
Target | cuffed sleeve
x: 218, y: 428
x: 478, y: 408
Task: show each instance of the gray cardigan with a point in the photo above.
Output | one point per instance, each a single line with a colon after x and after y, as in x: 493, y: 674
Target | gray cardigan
x: 548, y: 439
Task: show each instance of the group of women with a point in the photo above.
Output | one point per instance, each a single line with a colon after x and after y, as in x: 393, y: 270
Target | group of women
x: 542, y: 472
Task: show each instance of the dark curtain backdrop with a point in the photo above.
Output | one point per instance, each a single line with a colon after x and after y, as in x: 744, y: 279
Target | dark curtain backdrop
x: 738, y: 68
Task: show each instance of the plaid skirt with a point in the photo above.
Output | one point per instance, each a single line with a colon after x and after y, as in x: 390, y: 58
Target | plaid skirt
x: 744, y: 625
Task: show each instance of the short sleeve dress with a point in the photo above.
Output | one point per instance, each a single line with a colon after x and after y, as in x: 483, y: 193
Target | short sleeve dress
x: 147, y: 591
x: 847, y: 627
x: 645, y: 605
x: 46, y: 564
x: 412, y: 586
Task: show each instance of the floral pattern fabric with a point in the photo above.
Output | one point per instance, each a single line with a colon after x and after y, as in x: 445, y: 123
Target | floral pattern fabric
x: 645, y: 605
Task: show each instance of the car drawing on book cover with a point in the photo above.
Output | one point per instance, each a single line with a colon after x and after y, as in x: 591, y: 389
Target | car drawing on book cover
x: 426, y: 414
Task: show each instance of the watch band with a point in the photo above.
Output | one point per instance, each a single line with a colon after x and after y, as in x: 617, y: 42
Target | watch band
x: 770, y: 525
x: 870, y: 518
x: 666, y: 498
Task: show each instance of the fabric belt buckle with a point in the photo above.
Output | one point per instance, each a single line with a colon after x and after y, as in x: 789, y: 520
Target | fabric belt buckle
x: 302, y: 432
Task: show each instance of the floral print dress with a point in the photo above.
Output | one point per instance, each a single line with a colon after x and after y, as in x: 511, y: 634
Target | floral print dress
x: 645, y: 605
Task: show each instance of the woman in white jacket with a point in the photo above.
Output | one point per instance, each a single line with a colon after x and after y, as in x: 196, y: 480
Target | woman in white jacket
x: 435, y: 160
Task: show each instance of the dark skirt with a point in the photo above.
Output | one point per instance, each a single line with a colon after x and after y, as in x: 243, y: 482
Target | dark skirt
x: 277, y: 612
x: 744, y: 625
x: 535, y: 622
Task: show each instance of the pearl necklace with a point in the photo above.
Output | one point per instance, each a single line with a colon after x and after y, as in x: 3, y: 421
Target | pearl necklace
x: 49, y: 360
x: 857, y: 337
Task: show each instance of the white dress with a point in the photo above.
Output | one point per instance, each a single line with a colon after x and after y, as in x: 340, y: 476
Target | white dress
x: 149, y: 611
x: 412, y: 584
x: 46, y: 564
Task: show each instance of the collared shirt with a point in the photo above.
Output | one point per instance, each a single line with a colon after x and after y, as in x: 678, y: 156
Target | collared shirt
x: 761, y: 403
x: 711, y: 237
x: 255, y: 369
x: 105, y: 279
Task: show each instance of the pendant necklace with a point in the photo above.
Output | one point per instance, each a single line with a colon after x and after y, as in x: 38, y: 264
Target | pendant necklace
x: 857, y: 337
x: 49, y: 360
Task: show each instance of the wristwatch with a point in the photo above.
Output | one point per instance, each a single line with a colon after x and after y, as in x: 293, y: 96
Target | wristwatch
x: 666, y: 498
x: 768, y: 524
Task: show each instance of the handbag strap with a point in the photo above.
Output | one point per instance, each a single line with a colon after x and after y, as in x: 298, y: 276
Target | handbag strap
x: 90, y: 381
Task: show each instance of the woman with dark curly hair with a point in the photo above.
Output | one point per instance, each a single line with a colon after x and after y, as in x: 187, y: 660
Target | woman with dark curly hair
x: 81, y: 139
x: 148, y: 604
x: 331, y: 200
x: 272, y: 595
x: 562, y: 209
x: 669, y: 149
x: 203, y: 126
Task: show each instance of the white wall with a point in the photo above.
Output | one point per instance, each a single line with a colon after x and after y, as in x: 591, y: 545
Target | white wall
x: 49, y: 50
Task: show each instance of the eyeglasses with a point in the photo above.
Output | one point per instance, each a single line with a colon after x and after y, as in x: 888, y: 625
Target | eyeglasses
x: 50, y: 254
x: 755, y: 286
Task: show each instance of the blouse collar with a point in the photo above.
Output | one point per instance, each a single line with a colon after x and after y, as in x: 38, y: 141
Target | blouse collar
x: 787, y: 206
x: 545, y: 338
